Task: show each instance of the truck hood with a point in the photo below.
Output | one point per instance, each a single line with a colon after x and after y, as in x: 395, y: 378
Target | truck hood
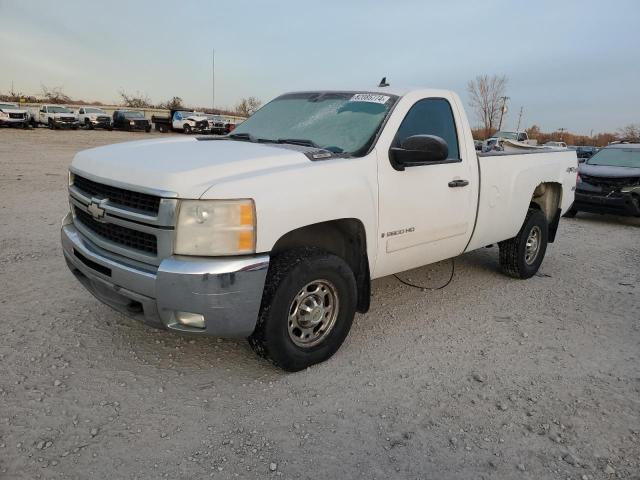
x: 608, y: 171
x: 12, y: 110
x: 182, y: 167
x: 196, y: 118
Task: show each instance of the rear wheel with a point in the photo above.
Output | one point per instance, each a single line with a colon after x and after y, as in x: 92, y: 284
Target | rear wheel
x: 522, y: 255
x: 307, y: 309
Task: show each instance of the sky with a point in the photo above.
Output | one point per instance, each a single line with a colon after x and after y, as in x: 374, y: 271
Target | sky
x: 569, y: 64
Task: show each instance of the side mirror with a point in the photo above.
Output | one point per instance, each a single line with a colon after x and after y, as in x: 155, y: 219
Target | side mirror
x: 419, y: 150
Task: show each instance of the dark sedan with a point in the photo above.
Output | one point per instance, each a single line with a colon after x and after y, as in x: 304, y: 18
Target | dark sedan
x: 609, y: 182
x: 584, y: 152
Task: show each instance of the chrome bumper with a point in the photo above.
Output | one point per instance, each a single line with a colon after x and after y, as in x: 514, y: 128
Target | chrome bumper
x: 226, y: 291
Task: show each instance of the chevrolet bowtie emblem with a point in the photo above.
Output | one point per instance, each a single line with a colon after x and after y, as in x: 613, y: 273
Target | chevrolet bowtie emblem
x: 96, y: 209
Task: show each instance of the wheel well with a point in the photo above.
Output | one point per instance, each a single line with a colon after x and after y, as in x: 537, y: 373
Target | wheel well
x: 547, y: 198
x: 345, y: 238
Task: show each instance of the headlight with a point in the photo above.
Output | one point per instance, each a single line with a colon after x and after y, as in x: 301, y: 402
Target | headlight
x: 4, y: 115
x: 132, y: 122
x: 216, y: 227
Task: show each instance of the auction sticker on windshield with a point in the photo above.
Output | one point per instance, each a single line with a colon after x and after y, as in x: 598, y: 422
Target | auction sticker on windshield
x: 369, y: 97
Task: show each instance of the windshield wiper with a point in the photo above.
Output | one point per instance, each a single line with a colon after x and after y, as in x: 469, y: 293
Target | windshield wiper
x: 298, y: 141
x: 242, y: 136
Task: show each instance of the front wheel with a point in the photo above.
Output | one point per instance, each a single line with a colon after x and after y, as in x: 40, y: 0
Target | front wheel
x: 308, y: 306
x: 521, y: 256
x: 187, y: 128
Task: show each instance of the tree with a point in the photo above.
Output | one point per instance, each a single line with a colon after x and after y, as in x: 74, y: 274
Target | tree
x: 174, y: 104
x: 247, y: 106
x: 54, y: 95
x: 485, y: 98
x: 138, y: 100
x: 631, y: 133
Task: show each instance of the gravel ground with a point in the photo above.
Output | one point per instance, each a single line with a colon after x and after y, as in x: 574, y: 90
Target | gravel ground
x: 488, y: 378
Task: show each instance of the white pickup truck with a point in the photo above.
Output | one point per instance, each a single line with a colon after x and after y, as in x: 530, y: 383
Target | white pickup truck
x: 275, y: 231
x: 11, y: 115
x: 55, y: 116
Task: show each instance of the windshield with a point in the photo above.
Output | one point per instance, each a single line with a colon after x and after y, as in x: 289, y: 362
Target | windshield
x: 8, y: 106
x: 94, y: 110
x: 56, y: 109
x: 617, y: 157
x: 342, y: 122
x: 133, y: 115
x: 507, y: 135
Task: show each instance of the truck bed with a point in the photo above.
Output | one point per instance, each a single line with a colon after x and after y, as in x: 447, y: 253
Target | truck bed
x: 507, y: 181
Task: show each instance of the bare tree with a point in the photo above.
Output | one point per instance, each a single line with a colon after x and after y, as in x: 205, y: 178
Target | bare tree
x: 54, y: 94
x: 175, y: 103
x: 247, y: 106
x: 631, y: 133
x: 486, y: 99
x: 138, y: 100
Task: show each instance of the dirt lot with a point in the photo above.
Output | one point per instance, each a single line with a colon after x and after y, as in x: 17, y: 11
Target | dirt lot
x: 488, y: 378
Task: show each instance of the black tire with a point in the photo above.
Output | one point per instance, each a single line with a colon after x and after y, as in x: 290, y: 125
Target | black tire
x: 187, y: 128
x: 87, y: 124
x: 147, y: 129
x: 572, y: 212
x: 51, y: 124
x: 514, y: 252
x: 288, y: 274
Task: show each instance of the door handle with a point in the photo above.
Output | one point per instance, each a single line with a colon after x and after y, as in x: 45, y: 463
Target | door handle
x: 458, y: 183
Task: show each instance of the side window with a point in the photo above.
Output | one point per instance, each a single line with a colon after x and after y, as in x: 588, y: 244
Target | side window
x: 522, y: 137
x: 431, y: 116
x: 81, y: 111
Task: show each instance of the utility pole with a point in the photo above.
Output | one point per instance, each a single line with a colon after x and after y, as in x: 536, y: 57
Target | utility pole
x: 562, y: 130
x: 213, y: 78
x: 504, y: 106
x: 519, y: 119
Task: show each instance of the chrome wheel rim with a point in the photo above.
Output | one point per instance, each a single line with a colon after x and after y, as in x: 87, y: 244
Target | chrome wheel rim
x: 532, y: 246
x: 313, y: 313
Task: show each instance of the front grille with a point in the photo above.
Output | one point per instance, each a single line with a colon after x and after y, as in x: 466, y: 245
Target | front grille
x: 141, y: 123
x: 67, y: 119
x: 103, y: 119
x: 142, y: 241
x: 118, y: 196
x: 17, y: 115
x: 610, y: 183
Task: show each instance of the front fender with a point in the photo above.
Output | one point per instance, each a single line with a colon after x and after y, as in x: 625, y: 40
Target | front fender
x: 288, y: 198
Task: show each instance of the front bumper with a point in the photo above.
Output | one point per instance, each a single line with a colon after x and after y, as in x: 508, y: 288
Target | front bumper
x: 66, y: 123
x: 226, y: 291
x: 615, y: 203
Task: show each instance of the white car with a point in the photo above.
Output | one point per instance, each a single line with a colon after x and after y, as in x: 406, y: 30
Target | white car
x: 275, y: 231
x: 190, y: 122
x: 55, y: 116
x: 556, y: 145
x: 94, y: 117
x: 11, y: 115
x: 509, y: 141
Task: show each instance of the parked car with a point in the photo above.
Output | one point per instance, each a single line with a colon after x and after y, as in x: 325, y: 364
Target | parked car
x: 478, y: 145
x: 560, y: 145
x: 11, y: 115
x: 218, y: 125
x: 55, y: 116
x: 182, y: 121
x: 94, y: 117
x: 609, y: 182
x: 509, y: 141
x: 275, y: 231
x: 585, y: 152
x: 130, y: 120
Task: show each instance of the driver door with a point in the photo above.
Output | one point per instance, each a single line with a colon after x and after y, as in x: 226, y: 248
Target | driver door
x: 426, y: 211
